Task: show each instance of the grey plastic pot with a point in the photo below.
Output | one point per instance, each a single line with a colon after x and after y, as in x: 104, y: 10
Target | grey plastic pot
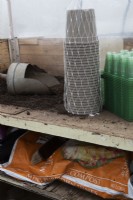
x: 23, y: 78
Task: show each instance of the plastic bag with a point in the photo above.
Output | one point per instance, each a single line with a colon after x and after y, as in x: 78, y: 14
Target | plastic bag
x: 109, y: 181
x: 20, y: 165
x: 90, y: 155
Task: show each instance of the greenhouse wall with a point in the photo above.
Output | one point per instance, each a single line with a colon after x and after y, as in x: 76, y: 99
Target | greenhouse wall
x: 41, y: 18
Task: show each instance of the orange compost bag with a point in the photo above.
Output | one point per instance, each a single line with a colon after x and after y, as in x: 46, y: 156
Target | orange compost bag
x: 19, y: 165
x: 111, y: 180
x: 108, y: 181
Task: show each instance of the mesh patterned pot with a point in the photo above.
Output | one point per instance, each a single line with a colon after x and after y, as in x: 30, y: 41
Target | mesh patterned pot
x: 81, y: 61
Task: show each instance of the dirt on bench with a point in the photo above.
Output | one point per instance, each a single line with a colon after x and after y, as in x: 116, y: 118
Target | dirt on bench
x: 52, y: 102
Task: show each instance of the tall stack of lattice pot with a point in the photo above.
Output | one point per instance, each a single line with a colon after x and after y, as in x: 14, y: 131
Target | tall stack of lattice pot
x: 81, y: 61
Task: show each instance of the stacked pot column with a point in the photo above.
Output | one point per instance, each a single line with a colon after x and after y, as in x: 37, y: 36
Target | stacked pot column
x: 81, y: 61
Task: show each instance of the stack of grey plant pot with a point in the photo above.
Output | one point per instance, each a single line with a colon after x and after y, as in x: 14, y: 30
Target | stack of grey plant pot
x: 81, y: 62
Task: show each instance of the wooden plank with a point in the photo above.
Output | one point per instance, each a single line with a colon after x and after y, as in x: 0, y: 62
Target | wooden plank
x: 68, y: 192
x: 52, y: 64
x: 47, y: 60
x: 14, y: 50
x: 63, y: 190
x: 51, y: 187
x: 46, y: 53
x: 49, y: 52
x: 11, y: 110
x: 60, y: 190
x: 40, y: 41
x: 44, y: 50
x: 105, y: 129
x: 4, y: 55
x: 28, y: 41
x: 128, y: 43
x: 50, y: 41
x: 26, y: 186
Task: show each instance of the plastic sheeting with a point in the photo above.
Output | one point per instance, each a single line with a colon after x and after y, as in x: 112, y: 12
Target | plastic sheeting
x: 114, y: 17
x: 4, y: 22
x: 48, y: 18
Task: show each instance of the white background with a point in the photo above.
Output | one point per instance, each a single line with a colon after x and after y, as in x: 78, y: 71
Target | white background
x: 47, y: 18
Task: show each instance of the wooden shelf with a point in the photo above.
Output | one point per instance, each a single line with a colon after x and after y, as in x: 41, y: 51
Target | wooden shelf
x: 56, y: 190
x: 104, y: 129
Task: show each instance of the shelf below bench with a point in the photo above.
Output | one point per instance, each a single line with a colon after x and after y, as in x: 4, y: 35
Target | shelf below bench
x: 105, y: 129
x: 56, y: 191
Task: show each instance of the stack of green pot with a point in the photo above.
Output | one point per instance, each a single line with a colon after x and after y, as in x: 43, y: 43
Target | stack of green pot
x: 118, y: 83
